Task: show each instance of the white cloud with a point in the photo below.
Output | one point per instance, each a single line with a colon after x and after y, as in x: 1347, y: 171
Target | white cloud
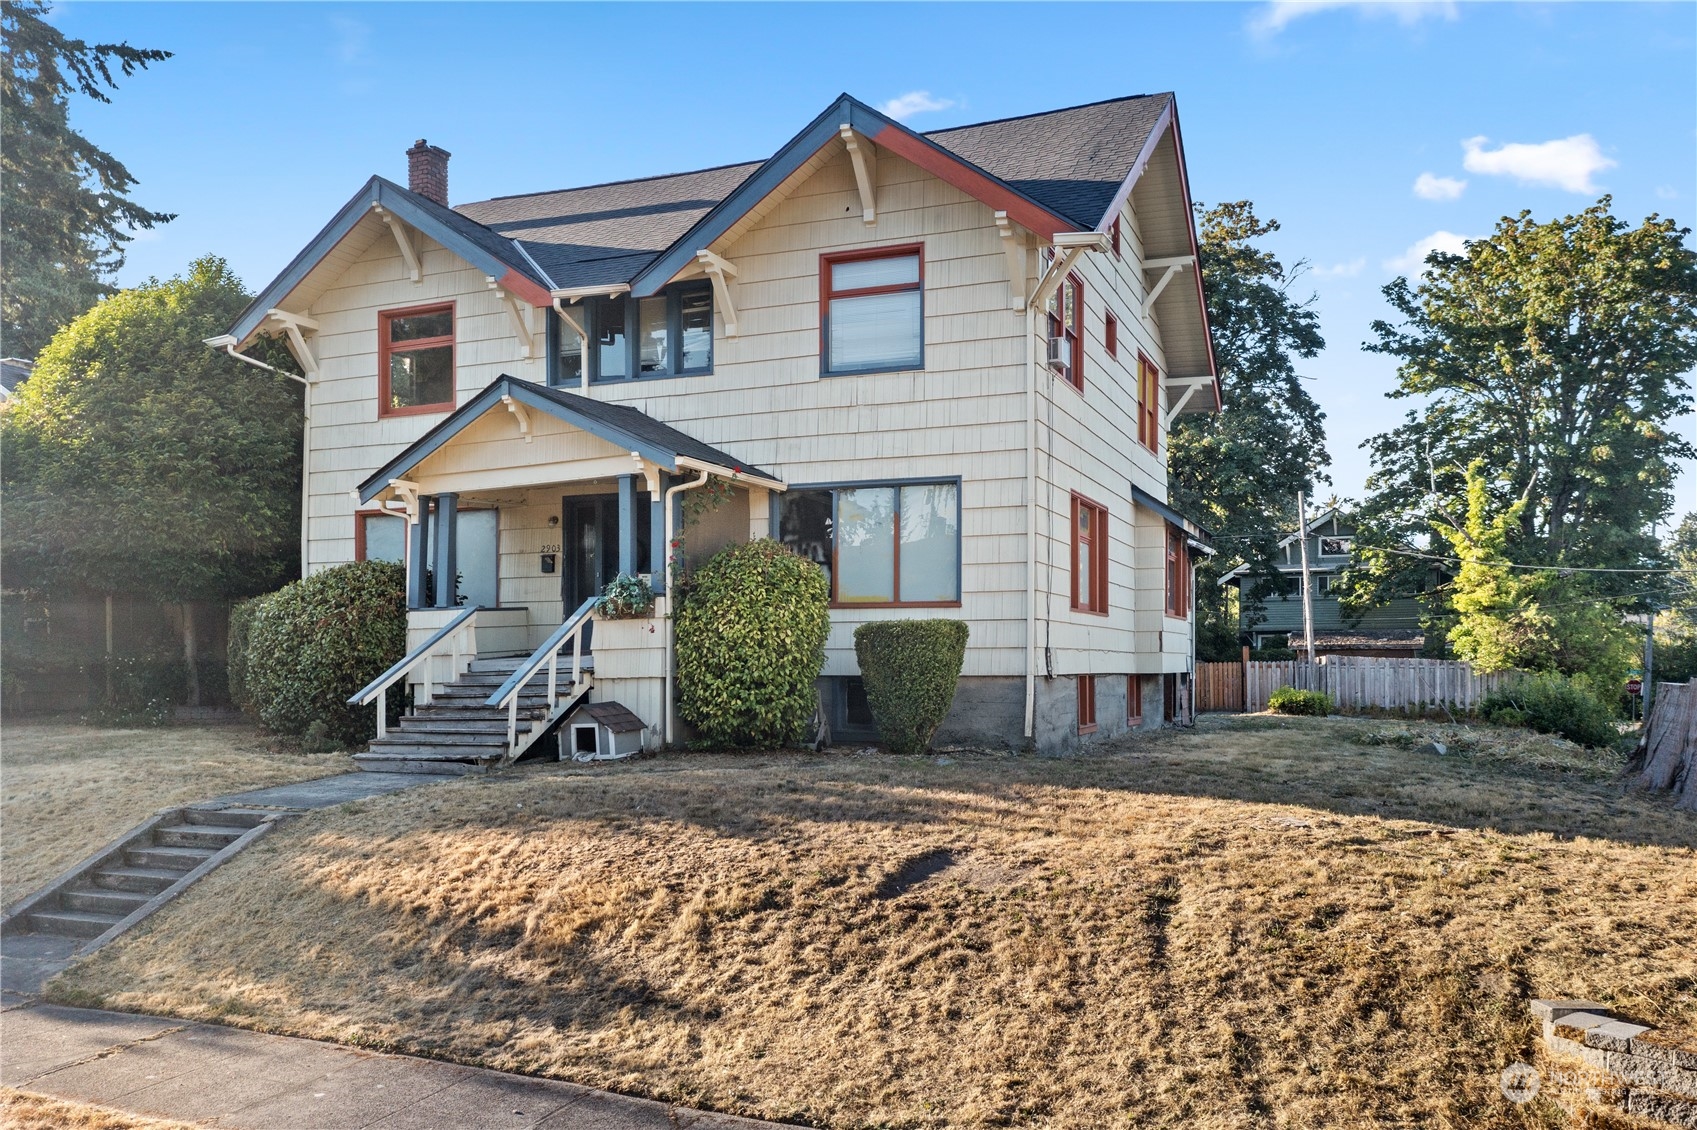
x: 1343, y: 270
x: 1280, y: 14
x: 1429, y: 187
x: 1414, y: 258
x: 914, y: 102
x: 1565, y: 163
x: 350, y: 40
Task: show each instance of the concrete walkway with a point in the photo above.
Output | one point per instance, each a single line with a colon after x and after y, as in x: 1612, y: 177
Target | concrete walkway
x: 230, y: 1078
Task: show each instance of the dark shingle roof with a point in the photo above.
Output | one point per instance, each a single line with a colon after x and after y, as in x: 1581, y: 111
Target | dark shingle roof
x: 640, y: 424
x: 606, y: 233
x: 1071, y: 161
x: 614, y: 715
x: 14, y: 371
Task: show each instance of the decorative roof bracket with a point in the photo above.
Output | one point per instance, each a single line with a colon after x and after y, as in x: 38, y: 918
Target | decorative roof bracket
x: 1174, y: 264
x: 721, y: 271
x: 865, y: 157
x: 403, y: 240
x: 1013, y: 247
x: 521, y: 414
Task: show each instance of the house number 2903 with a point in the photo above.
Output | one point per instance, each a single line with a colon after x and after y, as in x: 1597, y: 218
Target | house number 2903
x: 551, y: 548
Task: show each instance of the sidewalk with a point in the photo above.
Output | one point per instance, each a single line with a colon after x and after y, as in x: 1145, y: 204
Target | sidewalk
x: 233, y: 1078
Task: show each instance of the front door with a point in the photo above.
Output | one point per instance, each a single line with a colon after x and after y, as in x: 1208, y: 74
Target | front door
x: 591, y: 546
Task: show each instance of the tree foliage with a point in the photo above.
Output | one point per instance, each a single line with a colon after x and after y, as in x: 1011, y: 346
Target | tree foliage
x: 1527, y: 619
x: 68, y: 209
x: 139, y: 461
x: 1554, y: 352
x: 1238, y: 471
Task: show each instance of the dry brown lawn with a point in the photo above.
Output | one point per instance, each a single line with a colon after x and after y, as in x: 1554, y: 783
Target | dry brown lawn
x: 66, y: 791
x: 1260, y: 923
x: 21, y: 1110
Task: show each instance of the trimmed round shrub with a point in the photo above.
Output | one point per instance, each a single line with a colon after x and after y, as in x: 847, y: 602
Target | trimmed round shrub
x: 313, y: 643
x: 1551, y: 704
x: 1289, y: 700
x: 910, y: 669
x: 750, y: 643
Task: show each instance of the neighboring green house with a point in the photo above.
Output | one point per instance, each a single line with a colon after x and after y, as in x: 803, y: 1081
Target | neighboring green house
x: 1391, y: 630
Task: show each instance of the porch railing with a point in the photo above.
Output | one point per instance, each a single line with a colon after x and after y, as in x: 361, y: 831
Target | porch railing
x: 507, y: 694
x: 461, y: 632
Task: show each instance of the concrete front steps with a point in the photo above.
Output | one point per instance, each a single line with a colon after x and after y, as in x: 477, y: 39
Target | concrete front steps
x: 135, y: 875
x: 457, y: 734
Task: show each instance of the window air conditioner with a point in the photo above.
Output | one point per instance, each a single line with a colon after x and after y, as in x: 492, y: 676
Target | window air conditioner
x: 1059, y: 354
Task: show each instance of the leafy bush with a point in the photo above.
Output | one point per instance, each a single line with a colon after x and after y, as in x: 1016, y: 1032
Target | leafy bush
x: 1289, y: 700
x: 625, y: 598
x: 910, y: 669
x: 236, y: 650
x: 1551, y: 704
x: 750, y: 643
x: 144, y: 689
x: 313, y: 643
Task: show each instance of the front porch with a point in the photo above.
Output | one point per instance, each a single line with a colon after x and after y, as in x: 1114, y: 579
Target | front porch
x: 514, y: 514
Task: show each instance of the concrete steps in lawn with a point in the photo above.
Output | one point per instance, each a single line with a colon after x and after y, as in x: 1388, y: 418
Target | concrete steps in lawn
x: 138, y: 873
x: 457, y: 733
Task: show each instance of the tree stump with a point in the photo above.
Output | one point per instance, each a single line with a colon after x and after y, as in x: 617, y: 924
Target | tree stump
x: 1668, y: 749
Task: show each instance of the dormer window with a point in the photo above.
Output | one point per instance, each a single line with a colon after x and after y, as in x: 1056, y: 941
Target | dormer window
x: 669, y: 335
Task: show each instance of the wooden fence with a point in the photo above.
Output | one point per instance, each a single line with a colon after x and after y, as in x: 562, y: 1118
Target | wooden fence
x: 1356, y: 683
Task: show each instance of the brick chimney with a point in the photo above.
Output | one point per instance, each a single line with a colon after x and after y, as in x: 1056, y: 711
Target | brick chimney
x: 427, y: 171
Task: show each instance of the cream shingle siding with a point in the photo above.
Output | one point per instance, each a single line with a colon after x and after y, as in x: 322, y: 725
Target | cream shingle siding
x: 766, y: 402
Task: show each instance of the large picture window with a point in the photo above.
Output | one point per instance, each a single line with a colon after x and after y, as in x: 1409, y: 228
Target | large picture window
x: 668, y: 335
x: 872, y: 316
x: 881, y: 544
x: 415, y: 363
x: 1089, y: 556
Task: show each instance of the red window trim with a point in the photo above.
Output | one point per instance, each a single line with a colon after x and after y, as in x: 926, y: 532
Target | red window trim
x: 896, y: 556
x: 1148, y: 403
x: 1111, y: 333
x: 1134, y: 700
x: 1116, y: 234
x: 1074, y: 333
x: 826, y: 293
x: 359, y: 531
x: 1094, y: 602
x: 1086, y: 704
x: 1177, y: 574
x: 384, y: 348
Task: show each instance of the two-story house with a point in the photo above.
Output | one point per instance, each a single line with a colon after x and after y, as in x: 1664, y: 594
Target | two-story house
x: 1391, y: 630
x: 941, y: 365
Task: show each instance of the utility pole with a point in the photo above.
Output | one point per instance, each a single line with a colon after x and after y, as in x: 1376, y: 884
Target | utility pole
x: 1649, y: 660
x: 1307, y: 594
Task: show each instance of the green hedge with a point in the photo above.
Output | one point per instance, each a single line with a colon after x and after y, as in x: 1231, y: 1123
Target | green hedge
x: 1551, y: 704
x: 910, y: 669
x: 1289, y: 700
x: 236, y: 651
x: 311, y: 644
x: 750, y: 643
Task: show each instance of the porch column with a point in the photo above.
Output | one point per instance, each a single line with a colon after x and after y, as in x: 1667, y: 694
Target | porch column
x: 447, y: 549
x: 418, y: 554
x: 627, y: 525
x: 659, y: 552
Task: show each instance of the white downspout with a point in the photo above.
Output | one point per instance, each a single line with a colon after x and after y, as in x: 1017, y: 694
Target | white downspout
x: 228, y: 345
x: 671, y: 630
x: 1030, y: 523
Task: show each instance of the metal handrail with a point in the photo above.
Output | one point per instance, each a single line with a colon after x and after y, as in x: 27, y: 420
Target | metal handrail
x: 507, y: 694
x: 378, y: 688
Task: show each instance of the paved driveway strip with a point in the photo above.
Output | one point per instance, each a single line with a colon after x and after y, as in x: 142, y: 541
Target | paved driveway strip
x: 232, y: 1078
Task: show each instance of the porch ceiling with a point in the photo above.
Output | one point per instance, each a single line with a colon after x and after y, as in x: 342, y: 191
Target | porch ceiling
x: 618, y: 435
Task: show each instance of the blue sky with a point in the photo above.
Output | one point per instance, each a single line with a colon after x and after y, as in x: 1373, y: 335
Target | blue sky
x: 1367, y: 130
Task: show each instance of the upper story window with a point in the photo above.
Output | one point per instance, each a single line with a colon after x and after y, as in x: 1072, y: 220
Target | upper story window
x: 1148, y: 403
x: 881, y: 544
x: 415, y: 364
x: 1116, y: 235
x: 872, y: 310
x: 1178, y: 573
x: 1089, y: 556
x: 1336, y: 547
x: 1111, y: 335
x: 668, y: 335
x: 1066, y: 321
